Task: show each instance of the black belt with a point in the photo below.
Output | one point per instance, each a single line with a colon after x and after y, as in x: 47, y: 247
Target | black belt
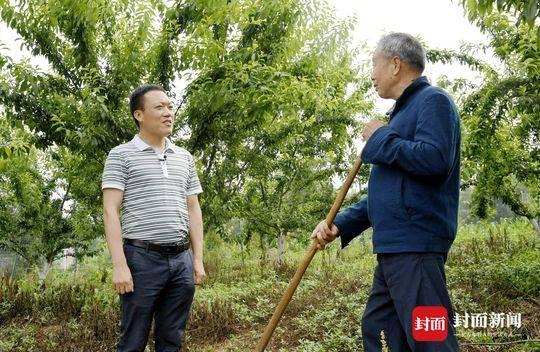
x: 161, y: 248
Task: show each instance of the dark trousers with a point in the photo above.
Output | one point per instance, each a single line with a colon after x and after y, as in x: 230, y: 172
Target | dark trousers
x: 163, y: 291
x: 401, y: 282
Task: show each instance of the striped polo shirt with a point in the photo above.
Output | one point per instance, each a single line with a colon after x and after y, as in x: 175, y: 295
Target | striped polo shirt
x: 154, y: 207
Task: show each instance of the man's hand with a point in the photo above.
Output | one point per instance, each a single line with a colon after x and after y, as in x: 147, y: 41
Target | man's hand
x: 324, y: 234
x: 121, y: 278
x: 370, y: 128
x: 198, y: 272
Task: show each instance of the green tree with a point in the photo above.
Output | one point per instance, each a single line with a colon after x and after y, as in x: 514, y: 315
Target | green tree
x: 523, y: 10
x: 501, y: 116
x: 76, y: 111
x: 271, y: 117
x: 37, y: 219
x: 270, y: 86
x: 31, y: 222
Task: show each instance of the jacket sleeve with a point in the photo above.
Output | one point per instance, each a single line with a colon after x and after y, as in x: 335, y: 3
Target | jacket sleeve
x: 352, y: 221
x: 433, y: 149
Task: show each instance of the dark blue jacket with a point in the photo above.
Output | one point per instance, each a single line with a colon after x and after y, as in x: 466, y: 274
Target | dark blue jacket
x: 413, y: 189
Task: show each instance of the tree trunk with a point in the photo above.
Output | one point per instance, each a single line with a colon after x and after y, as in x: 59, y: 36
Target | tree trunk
x: 44, y: 270
x: 13, y: 270
x: 280, y: 249
x: 243, y: 253
x: 263, y: 245
x: 266, y: 254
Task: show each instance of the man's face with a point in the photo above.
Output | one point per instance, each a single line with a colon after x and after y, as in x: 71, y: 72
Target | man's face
x: 382, y: 74
x: 157, y: 115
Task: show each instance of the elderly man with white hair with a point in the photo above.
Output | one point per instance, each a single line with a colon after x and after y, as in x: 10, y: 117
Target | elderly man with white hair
x: 412, y: 204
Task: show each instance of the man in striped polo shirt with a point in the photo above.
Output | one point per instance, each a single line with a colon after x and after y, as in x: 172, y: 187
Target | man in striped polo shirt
x: 153, y: 184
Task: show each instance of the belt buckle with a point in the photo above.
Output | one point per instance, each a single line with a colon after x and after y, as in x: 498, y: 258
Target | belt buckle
x: 174, y: 249
x: 169, y: 249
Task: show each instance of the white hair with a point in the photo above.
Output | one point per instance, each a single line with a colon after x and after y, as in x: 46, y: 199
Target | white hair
x: 406, y: 47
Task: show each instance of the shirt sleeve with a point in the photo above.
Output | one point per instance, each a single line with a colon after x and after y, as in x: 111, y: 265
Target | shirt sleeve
x: 114, y: 172
x: 193, y: 184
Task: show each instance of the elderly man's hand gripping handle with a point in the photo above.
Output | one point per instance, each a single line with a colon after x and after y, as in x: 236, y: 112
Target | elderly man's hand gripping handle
x: 324, y: 234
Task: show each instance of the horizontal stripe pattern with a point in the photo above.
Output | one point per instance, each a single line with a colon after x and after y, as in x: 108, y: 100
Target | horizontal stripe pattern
x: 154, y: 207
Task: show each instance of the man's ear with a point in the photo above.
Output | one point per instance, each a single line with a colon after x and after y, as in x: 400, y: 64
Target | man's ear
x: 396, y: 65
x: 138, y: 115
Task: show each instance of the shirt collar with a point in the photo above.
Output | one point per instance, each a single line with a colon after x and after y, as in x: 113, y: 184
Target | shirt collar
x: 142, y: 145
x: 412, y: 88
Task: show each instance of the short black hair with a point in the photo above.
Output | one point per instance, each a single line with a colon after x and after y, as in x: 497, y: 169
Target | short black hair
x: 136, y: 98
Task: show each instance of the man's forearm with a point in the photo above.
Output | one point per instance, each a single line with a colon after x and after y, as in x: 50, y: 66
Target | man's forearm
x: 113, y: 234
x: 196, y: 232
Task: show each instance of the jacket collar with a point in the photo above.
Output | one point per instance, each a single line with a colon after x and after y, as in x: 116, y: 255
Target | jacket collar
x: 412, y: 88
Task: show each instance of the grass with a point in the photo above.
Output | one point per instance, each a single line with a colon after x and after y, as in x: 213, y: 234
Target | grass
x: 491, y: 268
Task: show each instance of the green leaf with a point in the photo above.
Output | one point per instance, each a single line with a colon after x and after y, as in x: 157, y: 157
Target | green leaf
x: 531, y: 12
x: 481, y: 7
x: 473, y: 8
